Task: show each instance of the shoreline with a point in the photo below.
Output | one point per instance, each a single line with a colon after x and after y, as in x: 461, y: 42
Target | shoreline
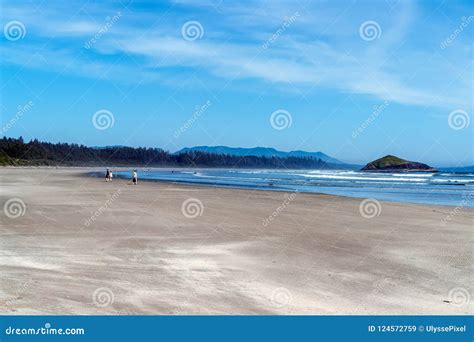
x: 97, y: 174
x: 242, y: 252
x: 250, y: 188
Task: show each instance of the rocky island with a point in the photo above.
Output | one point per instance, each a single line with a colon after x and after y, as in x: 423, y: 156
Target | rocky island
x: 394, y: 164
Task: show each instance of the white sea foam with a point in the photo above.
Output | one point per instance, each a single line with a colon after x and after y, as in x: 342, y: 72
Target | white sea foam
x: 424, y: 175
x: 452, y: 180
x: 366, y: 178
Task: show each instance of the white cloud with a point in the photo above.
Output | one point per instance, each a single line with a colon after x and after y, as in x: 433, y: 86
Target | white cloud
x: 319, y: 49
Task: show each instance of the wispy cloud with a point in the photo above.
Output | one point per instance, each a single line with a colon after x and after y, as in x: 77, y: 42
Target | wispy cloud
x: 322, y: 47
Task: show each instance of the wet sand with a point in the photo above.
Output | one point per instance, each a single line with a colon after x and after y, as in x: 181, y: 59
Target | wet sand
x: 80, y: 245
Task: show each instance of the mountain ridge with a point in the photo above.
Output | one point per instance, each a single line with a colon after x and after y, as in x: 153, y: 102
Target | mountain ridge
x: 260, y: 152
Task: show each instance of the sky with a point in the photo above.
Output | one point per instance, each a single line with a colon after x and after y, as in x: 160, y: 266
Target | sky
x: 354, y: 79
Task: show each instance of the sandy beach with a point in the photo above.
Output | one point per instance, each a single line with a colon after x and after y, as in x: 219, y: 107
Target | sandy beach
x: 82, y: 246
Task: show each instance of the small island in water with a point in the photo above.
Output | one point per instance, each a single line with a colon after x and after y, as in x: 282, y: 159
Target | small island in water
x: 394, y: 164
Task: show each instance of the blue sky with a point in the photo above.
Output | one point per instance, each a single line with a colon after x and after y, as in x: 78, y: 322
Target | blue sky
x: 354, y: 79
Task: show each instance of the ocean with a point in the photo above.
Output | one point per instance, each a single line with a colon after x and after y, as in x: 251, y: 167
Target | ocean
x: 442, y: 188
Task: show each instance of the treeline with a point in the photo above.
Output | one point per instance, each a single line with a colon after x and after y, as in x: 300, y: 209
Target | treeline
x: 16, y: 152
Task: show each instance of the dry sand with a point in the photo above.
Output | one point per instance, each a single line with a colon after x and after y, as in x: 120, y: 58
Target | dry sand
x: 143, y: 256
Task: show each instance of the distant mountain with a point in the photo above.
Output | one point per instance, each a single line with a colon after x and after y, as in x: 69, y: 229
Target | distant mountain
x: 259, y: 152
x: 395, y: 164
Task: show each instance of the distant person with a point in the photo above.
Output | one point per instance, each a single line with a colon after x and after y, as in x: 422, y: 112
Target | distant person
x: 134, y: 177
x: 107, y: 175
x: 111, y: 175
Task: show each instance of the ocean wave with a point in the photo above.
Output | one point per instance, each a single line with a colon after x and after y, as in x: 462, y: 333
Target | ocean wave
x: 421, y: 175
x: 333, y: 172
x: 452, y: 180
x: 366, y: 178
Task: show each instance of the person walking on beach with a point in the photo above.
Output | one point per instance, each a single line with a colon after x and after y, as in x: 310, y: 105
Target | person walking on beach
x: 111, y: 176
x: 134, y: 177
x: 107, y: 175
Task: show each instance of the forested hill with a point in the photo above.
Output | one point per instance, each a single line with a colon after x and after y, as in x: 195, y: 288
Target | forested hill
x: 16, y: 152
